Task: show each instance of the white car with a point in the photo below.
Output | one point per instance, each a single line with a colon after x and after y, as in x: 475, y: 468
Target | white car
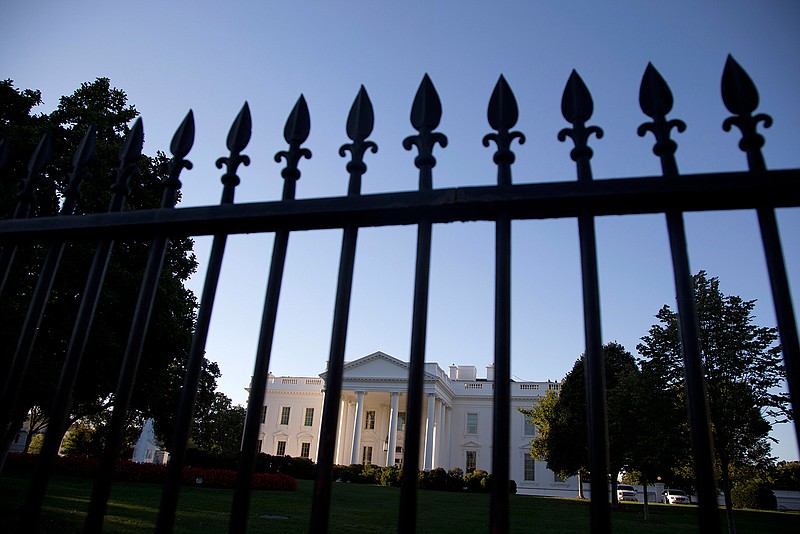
x: 675, y: 496
x: 626, y: 492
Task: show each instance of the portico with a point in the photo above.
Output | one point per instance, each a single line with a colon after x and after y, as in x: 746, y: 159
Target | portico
x: 456, y: 426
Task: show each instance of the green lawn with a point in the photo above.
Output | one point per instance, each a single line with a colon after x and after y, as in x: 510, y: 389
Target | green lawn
x: 355, y: 508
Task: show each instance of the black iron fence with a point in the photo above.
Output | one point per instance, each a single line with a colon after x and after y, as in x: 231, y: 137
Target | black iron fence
x: 584, y: 199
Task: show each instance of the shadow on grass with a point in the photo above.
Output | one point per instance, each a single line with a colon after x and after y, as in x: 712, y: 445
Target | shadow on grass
x: 133, y: 508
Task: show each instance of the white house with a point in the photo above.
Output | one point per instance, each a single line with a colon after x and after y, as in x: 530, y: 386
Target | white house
x: 457, y: 413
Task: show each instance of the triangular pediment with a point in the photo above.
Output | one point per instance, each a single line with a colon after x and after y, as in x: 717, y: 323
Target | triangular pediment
x: 376, y: 365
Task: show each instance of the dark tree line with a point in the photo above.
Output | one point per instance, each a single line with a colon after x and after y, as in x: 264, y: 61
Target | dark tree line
x: 160, y: 373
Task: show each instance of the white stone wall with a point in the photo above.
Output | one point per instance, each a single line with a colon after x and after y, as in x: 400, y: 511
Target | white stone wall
x: 454, y: 395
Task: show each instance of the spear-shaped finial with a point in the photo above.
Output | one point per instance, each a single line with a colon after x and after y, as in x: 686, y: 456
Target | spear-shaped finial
x: 181, y: 144
x: 238, y: 137
x: 503, y: 114
x: 425, y: 115
x: 577, y: 107
x: 128, y: 154
x: 296, y: 131
x: 655, y: 99
x: 740, y: 96
x: 36, y: 164
x: 360, y: 121
x: 80, y: 160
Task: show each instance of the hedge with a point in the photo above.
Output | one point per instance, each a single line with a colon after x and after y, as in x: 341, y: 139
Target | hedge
x: 81, y: 466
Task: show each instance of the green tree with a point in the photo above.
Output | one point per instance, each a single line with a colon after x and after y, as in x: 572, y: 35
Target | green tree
x: 786, y: 476
x: 219, y: 430
x: 82, y: 440
x: 172, y: 321
x: 655, y: 428
x: 743, y: 373
x: 37, y: 423
x: 561, y: 433
x: 561, y: 424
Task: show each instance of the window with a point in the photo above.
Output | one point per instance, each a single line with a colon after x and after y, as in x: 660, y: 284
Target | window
x: 366, y: 457
x: 309, y: 417
x: 530, y: 428
x: 281, y: 449
x: 305, y: 450
x: 369, y: 420
x: 398, y: 450
x: 260, y: 443
x: 401, y: 421
x: 285, y: 415
x: 472, y: 461
x: 530, y: 468
x: 263, y: 415
x: 472, y: 423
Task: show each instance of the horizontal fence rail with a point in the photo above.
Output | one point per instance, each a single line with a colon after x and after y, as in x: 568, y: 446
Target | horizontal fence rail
x: 585, y: 199
x: 622, y: 196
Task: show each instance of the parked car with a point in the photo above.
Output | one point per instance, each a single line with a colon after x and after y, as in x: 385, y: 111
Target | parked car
x: 675, y: 496
x: 626, y: 492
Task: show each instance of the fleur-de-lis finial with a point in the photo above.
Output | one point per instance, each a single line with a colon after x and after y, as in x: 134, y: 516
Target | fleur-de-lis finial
x: 181, y: 144
x: 360, y: 121
x: 740, y: 96
x: 655, y: 99
x: 128, y: 154
x: 80, y: 160
x: 296, y: 131
x: 425, y: 115
x: 36, y: 163
x: 132, y: 146
x: 577, y: 107
x: 238, y: 137
x: 503, y: 114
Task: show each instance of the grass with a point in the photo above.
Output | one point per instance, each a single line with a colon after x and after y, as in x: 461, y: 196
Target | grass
x: 355, y: 508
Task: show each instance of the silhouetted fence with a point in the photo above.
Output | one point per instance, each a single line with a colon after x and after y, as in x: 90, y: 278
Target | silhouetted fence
x: 584, y: 199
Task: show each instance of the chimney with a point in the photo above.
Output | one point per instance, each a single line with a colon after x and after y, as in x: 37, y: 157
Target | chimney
x: 453, y: 372
x: 490, y: 372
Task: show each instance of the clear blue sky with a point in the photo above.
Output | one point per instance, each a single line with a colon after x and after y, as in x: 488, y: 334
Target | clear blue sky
x: 172, y: 56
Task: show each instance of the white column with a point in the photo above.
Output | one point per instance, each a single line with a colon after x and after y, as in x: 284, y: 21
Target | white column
x: 392, y: 429
x: 429, y: 433
x: 340, y: 431
x: 448, y: 421
x: 438, y: 442
x: 357, y: 427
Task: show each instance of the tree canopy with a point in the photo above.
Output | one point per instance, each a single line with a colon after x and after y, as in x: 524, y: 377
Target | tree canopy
x: 743, y: 373
x: 561, y: 424
x: 172, y: 322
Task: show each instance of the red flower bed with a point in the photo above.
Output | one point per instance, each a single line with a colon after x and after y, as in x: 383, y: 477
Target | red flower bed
x: 80, y: 466
x: 274, y: 482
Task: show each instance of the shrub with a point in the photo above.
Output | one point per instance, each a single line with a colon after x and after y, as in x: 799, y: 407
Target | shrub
x: 391, y: 476
x: 477, y: 481
x: 352, y: 473
x: 274, y: 482
x: 755, y: 494
x: 208, y: 460
x: 455, y: 479
x: 35, y: 446
x: 371, y: 474
x: 81, y: 466
x: 435, y: 479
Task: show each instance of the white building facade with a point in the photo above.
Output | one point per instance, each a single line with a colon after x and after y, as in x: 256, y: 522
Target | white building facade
x: 457, y: 420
